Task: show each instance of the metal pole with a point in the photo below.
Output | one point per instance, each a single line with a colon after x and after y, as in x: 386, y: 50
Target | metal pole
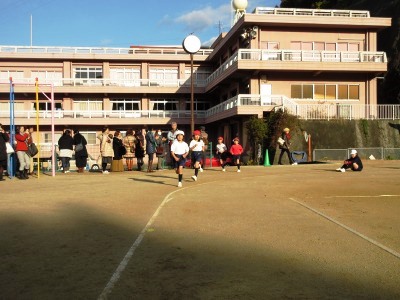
x: 53, y: 138
x: 12, y: 129
x: 191, y: 95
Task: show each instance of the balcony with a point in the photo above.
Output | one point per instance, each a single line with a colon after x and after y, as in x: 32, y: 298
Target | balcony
x: 311, y: 12
x: 289, y: 59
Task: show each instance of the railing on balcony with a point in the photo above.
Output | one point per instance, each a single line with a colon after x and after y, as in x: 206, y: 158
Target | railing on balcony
x: 114, y: 114
x: 99, y: 50
x: 311, y: 12
x: 299, y: 56
x: 110, y: 82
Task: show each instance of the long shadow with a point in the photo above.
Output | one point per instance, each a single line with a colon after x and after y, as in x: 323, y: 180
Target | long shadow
x: 72, y: 251
x: 395, y: 126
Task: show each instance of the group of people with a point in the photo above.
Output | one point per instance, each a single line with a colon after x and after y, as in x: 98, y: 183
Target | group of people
x: 135, y: 144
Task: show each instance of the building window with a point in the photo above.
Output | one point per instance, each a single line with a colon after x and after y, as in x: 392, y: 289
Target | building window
x: 46, y: 106
x: 164, y: 104
x: 91, y: 75
x: 125, y: 76
x: 89, y: 136
x: 13, y: 74
x: 125, y: 104
x: 198, y: 105
x: 48, y: 76
x: 163, y: 77
x: 47, y: 138
x: 88, y: 105
x: 326, y: 91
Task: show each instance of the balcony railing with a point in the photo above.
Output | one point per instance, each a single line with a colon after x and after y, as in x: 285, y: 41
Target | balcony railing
x: 311, y: 12
x: 99, y: 50
x: 298, y: 56
x: 91, y: 114
x: 110, y: 82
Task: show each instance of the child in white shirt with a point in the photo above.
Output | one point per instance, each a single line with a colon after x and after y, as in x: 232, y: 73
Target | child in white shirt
x: 222, y: 152
x: 197, y: 147
x: 179, y: 151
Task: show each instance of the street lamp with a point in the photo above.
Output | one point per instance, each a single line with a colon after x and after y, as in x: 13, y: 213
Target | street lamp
x: 191, y: 44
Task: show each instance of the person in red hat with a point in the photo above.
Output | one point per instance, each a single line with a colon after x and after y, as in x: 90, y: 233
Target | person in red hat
x: 236, y: 151
x: 197, y: 147
x: 222, y: 152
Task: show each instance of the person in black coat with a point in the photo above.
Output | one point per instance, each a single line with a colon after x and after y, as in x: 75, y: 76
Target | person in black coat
x: 354, y: 163
x: 81, y: 155
x: 139, y: 149
x: 3, y: 152
x: 117, y: 164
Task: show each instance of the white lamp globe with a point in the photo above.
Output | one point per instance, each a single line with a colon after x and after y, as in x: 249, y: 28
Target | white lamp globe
x: 191, y: 44
x: 239, y: 4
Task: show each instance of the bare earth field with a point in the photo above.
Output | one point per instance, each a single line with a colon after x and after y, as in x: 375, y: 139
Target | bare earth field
x: 280, y: 232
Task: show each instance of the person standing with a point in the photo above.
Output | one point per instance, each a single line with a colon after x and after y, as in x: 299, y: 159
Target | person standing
x: 204, y: 138
x: 139, y: 149
x: 151, y: 145
x: 129, y: 143
x: 66, y: 146
x: 117, y: 164
x: 171, y: 138
x: 354, y: 163
x: 197, y: 147
x: 160, y: 150
x: 285, y: 146
x: 23, y: 138
x: 81, y: 155
x: 222, y: 152
x: 179, y: 152
x: 3, y: 152
x: 236, y: 151
x: 106, y: 148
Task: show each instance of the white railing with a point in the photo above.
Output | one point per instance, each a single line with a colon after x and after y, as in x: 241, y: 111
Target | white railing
x: 86, y: 114
x: 311, y: 12
x: 298, y: 56
x: 109, y: 82
x: 312, y: 56
x: 100, y: 50
x: 347, y: 111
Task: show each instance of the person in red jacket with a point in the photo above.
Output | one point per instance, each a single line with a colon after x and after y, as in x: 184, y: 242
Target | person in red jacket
x: 23, y: 138
x: 236, y: 151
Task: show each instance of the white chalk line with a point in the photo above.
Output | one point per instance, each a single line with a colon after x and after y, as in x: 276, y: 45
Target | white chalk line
x: 117, y: 274
x: 391, y: 251
x: 360, y: 196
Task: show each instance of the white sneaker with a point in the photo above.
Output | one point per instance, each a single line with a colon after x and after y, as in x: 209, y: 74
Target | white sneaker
x: 342, y: 170
x: 294, y: 164
x: 194, y: 177
x: 201, y: 169
x: 223, y: 170
x: 238, y: 171
x: 105, y: 172
x: 66, y: 171
x: 179, y: 184
x: 339, y: 169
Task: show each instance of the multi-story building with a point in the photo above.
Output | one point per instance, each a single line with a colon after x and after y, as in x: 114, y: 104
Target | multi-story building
x: 314, y: 63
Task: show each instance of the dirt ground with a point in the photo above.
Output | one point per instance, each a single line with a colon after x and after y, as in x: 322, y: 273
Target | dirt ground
x: 279, y: 232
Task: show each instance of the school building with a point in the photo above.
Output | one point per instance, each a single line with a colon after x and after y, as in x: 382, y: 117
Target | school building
x: 312, y: 63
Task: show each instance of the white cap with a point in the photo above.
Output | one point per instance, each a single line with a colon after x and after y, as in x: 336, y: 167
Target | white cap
x: 354, y: 151
x: 179, y: 132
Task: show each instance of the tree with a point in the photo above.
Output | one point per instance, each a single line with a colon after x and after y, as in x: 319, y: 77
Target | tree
x: 257, y: 131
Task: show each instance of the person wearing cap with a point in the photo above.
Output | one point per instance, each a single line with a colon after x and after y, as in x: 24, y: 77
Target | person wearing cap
x: 285, y: 147
x: 354, y: 163
x: 222, y: 152
x: 236, y: 150
x: 179, y: 152
x: 197, y: 147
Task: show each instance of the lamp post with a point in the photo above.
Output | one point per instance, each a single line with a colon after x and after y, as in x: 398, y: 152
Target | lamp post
x: 191, y: 44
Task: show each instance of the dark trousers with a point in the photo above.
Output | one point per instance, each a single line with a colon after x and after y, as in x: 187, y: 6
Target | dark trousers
x: 283, y: 150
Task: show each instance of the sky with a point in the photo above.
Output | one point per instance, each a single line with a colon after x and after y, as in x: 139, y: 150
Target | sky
x: 121, y: 24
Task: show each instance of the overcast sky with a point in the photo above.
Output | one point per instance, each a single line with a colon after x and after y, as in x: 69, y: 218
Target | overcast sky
x: 122, y: 23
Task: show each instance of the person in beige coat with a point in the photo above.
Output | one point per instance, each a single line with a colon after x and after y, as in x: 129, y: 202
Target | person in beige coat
x: 106, y: 148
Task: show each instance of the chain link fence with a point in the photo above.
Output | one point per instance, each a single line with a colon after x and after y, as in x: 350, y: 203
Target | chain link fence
x: 364, y: 153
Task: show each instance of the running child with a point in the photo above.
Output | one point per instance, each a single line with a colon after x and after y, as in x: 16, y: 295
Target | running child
x: 179, y: 151
x: 197, y: 147
x: 222, y: 152
x: 236, y: 150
